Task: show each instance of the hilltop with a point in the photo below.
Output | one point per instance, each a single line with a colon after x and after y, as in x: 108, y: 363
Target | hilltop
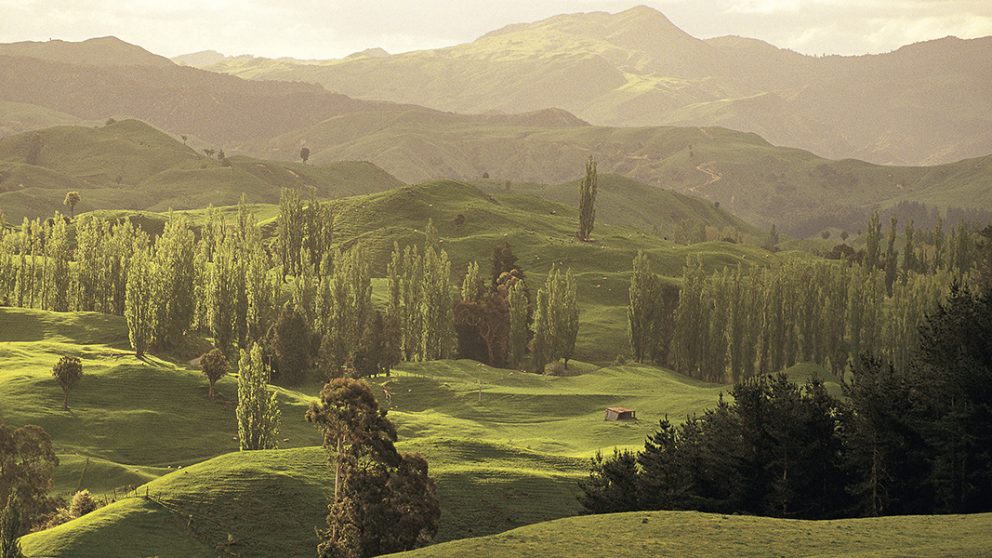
x: 636, y: 68
x: 100, y: 51
x: 130, y: 165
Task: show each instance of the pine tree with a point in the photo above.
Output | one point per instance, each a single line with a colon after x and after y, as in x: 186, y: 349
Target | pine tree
x: 383, y: 501
x: 257, y: 412
x: 939, y: 244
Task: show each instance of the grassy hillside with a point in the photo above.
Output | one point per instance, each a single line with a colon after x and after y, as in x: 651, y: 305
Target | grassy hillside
x: 636, y: 68
x: 749, y: 177
x: 130, y: 165
x: 627, y: 202
x: 691, y: 534
x: 542, y: 233
x: 505, y: 447
x: 21, y: 117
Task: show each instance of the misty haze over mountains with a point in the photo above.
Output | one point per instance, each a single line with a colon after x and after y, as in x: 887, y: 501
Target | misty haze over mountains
x: 529, y: 102
x: 922, y: 104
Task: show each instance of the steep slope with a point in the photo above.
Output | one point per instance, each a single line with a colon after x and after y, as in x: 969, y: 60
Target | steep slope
x: 130, y: 165
x: 635, y: 68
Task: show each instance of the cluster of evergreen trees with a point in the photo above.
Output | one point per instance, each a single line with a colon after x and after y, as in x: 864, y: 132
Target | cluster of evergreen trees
x: 914, y: 439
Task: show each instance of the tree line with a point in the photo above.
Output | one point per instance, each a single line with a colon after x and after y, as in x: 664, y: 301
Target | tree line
x: 307, y: 303
x: 739, y: 322
x: 909, y: 439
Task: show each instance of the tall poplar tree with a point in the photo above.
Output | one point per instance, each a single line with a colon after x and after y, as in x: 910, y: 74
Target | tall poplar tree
x: 139, y: 305
x: 257, y: 412
x: 587, y: 201
x: 519, y: 313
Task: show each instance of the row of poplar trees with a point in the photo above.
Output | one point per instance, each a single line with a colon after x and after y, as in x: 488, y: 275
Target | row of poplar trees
x: 739, y: 322
x: 304, y: 302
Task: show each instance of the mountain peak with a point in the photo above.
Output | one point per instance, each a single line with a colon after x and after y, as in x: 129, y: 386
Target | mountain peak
x: 643, y: 11
x: 375, y: 52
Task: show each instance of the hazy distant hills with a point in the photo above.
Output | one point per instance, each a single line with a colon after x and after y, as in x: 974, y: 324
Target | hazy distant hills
x: 102, y: 78
x: 100, y: 51
x: 130, y: 165
x: 926, y: 103
x: 755, y: 180
x: 58, y: 83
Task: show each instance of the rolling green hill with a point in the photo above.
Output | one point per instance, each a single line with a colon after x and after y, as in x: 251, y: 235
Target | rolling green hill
x: 130, y: 165
x: 627, y: 202
x: 506, y: 447
x: 542, y: 233
x: 21, y: 117
x: 692, y: 534
x: 753, y: 179
x: 637, y: 68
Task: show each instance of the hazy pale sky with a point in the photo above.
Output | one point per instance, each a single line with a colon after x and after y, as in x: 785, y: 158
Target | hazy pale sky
x: 335, y: 28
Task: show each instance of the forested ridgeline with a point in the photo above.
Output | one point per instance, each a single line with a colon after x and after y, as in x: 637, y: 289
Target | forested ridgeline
x: 909, y: 439
x: 737, y: 323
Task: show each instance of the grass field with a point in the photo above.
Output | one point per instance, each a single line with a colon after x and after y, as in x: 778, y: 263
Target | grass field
x: 506, y: 447
x: 691, y: 534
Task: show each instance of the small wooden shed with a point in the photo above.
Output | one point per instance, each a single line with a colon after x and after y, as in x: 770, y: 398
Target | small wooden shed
x: 620, y: 413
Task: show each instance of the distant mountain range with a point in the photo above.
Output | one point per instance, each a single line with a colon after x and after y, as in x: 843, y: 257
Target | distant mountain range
x: 926, y: 103
x: 58, y: 83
